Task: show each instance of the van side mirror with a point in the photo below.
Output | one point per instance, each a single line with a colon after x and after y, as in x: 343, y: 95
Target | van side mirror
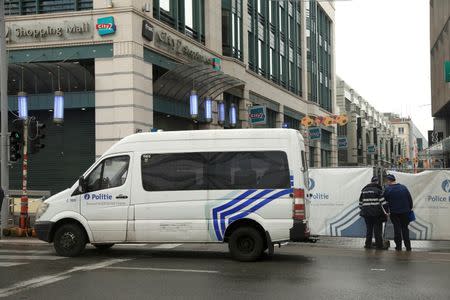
x: 82, y: 185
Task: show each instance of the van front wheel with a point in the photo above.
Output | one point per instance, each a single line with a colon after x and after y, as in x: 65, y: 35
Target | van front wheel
x: 69, y: 240
x: 246, y: 244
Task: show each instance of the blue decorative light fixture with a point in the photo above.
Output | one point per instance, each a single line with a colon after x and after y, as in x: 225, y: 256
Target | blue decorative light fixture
x: 22, y: 103
x: 193, y: 102
x: 208, y: 109
x: 58, y: 109
x: 221, y: 108
x: 233, y: 115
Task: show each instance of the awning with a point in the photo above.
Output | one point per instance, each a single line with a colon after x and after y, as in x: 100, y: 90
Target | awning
x: 178, y: 83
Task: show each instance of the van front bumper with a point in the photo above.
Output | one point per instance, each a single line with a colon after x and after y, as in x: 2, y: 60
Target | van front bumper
x: 43, y: 230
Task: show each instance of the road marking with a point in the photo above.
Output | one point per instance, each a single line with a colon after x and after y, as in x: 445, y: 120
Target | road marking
x: 31, y: 257
x: 166, y: 246
x: 11, y: 264
x: 380, y: 270
x: 164, y: 270
x: 45, y: 280
x: 25, y: 251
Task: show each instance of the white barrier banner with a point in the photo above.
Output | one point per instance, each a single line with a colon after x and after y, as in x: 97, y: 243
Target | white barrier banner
x: 334, y: 196
x: 430, y: 191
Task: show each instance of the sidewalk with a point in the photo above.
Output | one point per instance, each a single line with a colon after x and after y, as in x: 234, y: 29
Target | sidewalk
x: 358, y: 243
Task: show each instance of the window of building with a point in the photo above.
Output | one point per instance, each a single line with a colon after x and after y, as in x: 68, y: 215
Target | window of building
x: 186, y: 16
x: 232, y: 28
x: 215, y: 171
x: 27, y: 7
x: 401, y: 130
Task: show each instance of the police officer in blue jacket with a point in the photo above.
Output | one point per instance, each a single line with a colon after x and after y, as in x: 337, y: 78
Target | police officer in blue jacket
x: 400, y: 204
x: 373, y: 208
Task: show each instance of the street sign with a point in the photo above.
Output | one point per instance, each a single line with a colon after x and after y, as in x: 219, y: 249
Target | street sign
x: 258, y: 115
x: 342, y: 142
x: 371, y: 149
x: 314, y: 133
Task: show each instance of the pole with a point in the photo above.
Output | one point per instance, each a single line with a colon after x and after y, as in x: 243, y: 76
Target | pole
x: 23, y: 223
x: 4, y: 119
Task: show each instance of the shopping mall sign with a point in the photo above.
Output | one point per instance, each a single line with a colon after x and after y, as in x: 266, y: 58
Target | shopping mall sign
x: 105, y: 26
x: 179, y: 47
x: 314, y: 133
x: 49, y: 30
x: 371, y: 149
x: 342, y: 143
x: 257, y: 115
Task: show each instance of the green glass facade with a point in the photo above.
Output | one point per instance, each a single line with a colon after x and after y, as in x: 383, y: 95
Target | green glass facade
x: 32, y: 7
x: 186, y: 16
x: 232, y: 28
x: 319, y: 51
x: 274, y: 42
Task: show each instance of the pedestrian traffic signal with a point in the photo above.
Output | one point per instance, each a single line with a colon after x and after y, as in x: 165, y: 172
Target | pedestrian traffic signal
x: 36, y: 135
x: 15, y: 145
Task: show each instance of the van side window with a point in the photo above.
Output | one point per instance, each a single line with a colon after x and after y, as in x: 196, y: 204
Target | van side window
x: 110, y: 173
x: 215, y: 171
x: 173, y: 172
x: 248, y: 170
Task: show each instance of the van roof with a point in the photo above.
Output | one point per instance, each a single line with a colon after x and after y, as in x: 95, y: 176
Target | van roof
x: 253, y: 133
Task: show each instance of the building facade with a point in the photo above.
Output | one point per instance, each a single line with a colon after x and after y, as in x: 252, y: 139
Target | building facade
x: 129, y: 66
x: 368, y: 138
x: 440, y: 77
x: 415, y: 141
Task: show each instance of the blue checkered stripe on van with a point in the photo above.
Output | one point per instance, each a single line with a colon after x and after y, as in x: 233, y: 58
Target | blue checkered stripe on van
x: 241, y: 206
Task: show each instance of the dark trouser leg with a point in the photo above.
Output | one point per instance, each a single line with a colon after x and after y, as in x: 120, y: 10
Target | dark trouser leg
x: 378, y: 227
x: 369, y: 226
x: 405, y: 230
x: 395, y: 218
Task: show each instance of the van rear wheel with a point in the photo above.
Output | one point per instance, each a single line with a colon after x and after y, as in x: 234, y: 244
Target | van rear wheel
x: 103, y: 247
x: 246, y: 244
x: 69, y: 240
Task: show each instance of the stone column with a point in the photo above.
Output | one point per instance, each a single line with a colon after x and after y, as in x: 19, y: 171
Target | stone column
x: 123, y: 95
x: 213, y: 24
x: 280, y: 118
x: 317, y: 156
x: 364, y: 140
x: 352, y: 137
x: 244, y: 105
x: 334, y: 151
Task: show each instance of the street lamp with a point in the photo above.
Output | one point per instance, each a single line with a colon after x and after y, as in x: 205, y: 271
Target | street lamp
x: 221, y: 108
x: 233, y: 115
x: 22, y: 101
x: 208, y: 109
x: 193, y: 102
x: 58, y: 109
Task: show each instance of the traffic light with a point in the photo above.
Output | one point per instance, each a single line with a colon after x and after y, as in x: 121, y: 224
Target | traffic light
x: 35, y: 136
x: 16, y: 141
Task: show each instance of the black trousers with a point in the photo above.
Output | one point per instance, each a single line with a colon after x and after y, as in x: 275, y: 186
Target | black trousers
x: 374, y: 226
x: 401, y: 231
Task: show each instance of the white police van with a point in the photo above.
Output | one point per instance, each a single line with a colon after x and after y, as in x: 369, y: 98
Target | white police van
x: 244, y: 187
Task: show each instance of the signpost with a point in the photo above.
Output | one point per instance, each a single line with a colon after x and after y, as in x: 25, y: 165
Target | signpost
x: 258, y: 115
x: 371, y: 149
x: 314, y: 133
x: 342, y: 143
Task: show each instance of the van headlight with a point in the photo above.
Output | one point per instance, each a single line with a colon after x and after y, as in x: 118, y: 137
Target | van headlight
x: 41, y: 209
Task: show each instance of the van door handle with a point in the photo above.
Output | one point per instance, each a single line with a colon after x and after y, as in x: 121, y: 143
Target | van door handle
x: 122, y: 197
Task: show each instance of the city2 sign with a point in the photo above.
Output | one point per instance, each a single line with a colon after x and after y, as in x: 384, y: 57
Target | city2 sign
x: 371, y: 149
x: 258, y: 115
x: 314, y: 133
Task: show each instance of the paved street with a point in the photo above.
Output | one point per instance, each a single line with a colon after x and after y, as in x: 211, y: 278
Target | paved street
x: 182, y: 271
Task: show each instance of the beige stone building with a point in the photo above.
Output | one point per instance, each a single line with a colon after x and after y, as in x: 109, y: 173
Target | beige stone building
x: 129, y: 66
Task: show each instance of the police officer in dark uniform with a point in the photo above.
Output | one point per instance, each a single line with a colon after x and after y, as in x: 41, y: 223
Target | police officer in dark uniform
x: 373, y: 208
